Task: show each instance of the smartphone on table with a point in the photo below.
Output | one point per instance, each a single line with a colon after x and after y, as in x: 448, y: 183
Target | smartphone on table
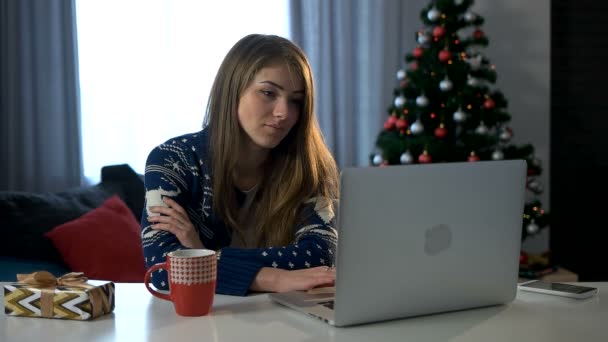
x: 558, y: 289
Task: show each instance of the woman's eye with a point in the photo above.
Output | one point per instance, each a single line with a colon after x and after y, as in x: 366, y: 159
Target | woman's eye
x: 267, y: 93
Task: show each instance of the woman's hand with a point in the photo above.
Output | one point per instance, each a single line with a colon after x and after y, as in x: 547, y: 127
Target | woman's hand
x: 175, y: 221
x: 277, y: 280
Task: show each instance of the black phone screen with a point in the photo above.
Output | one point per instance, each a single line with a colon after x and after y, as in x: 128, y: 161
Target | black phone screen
x: 559, y: 287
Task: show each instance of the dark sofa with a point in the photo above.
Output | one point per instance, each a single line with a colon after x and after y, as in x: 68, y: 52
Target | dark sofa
x: 26, y: 217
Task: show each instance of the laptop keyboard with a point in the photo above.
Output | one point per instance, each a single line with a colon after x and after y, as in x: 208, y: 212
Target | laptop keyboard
x: 328, y: 304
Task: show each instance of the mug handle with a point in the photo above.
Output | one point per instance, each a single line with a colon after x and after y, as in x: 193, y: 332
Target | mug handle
x: 155, y: 293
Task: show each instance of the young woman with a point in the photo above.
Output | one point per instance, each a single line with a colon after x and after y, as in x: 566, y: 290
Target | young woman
x: 258, y: 184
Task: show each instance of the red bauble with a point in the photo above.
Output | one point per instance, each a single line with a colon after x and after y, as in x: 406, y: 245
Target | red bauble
x: 473, y: 157
x: 415, y: 66
x: 418, y: 52
x: 441, y: 131
x: 523, y: 258
x: 438, y: 31
x: 478, y: 34
x: 444, y: 55
x: 390, y: 123
x: 401, y: 123
x: 489, y: 104
x: 425, y: 158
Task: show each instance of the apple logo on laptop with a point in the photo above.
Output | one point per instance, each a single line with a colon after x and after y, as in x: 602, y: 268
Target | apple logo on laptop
x: 437, y: 239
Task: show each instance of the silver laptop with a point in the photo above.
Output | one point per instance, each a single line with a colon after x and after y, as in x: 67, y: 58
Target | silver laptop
x: 422, y: 239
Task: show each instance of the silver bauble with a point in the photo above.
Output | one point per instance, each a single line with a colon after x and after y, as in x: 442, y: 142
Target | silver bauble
x: 377, y: 160
x: 532, y: 228
x: 399, y: 101
x: 423, y: 38
x: 406, y: 158
x: 498, y: 155
x: 481, y: 129
x: 459, y: 115
x: 400, y: 74
x: 505, y: 135
x: 433, y: 14
x: 445, y: 85
x: 417, y: 127
x: 470, y: 17
x: 472, y: 81
x: 422, y: 101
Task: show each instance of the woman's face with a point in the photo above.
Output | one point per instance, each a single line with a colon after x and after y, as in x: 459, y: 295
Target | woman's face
x: 270, y: 106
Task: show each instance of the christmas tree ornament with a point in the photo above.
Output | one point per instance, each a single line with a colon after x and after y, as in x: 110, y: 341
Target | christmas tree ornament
x: 433, y: 14
x: 423, y: 38
x: 404, y: 83
x: 377, y: 160
x: 400, y: 101
x: 535, y: 185
x: 401, y: 74
x: 418, y: 52
x: 390, y: 122
x: 506, y: 134
x: 406, y: 158
x: 470, y: 17
x: 415, y: 66
x: 438, y: 31
x: 422, y: 101
x: 458, y: 2
x: 532, y: 228
x: 478, y: 34
x: 401, y: 124
x: 444, y: 55
x: 489, y: 103
x: 481, y: 129
x: 417, y: 127
x: 472, y: 81
x: 473, y: 157
x: 445, y: 84
x: 459, y: 115
x: 425, y: 157
x: 475, y: 62
x: 498, y: 155
x: 441, y: 132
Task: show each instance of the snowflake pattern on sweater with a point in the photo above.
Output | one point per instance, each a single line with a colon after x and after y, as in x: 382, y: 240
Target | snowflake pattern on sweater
x: 180, y: 168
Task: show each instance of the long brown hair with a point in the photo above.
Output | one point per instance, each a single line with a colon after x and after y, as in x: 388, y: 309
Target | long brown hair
x: 299, y: 168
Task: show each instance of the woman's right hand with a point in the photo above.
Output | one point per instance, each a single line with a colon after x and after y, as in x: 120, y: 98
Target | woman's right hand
x: 271, y: 279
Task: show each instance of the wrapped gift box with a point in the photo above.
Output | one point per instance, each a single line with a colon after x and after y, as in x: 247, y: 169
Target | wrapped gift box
x: 71, y: 296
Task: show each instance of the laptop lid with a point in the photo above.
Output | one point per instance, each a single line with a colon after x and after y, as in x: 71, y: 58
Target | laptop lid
x: 422, y: 239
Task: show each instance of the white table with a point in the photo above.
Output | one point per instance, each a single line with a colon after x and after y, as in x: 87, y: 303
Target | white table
x: 140, y: 317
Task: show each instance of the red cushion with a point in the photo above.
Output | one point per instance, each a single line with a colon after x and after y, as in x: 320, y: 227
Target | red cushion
x: 104, y: 243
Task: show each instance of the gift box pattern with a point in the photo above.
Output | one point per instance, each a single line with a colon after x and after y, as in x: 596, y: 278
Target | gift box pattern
x: 64, y: 302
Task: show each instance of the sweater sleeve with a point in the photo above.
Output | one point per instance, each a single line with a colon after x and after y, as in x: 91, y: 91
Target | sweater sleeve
x: 314, y: 245
x: 168, y: 173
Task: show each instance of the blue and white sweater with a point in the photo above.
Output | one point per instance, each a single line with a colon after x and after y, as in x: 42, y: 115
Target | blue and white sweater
x: 180, y: 169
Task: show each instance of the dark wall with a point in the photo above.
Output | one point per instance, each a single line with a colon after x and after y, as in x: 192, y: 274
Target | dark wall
x: 579, y: 143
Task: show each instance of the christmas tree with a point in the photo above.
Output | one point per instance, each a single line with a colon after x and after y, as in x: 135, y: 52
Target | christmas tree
x: 446, y: 107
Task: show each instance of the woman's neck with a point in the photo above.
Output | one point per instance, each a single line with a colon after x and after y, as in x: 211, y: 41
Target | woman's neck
x: 249, y: 168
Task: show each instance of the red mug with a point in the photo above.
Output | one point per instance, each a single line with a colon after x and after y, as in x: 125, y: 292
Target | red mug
x: 192, y: 274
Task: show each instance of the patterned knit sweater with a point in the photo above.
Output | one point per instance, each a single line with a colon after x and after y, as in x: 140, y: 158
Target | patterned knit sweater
x: 180, y: 169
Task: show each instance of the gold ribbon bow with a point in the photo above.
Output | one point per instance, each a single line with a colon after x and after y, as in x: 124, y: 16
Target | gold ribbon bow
x: 47, y: 283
